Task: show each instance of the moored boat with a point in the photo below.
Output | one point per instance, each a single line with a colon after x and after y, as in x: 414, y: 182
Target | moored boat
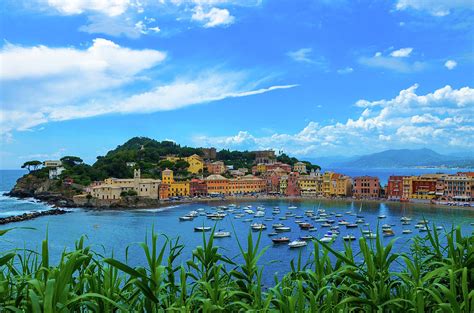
x: 202, y: 228
x: 221, y: 234
x: 297, y: 244
x: 281, y: 240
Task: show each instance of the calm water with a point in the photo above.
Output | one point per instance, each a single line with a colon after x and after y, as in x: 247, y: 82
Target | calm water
x: 114, y: 230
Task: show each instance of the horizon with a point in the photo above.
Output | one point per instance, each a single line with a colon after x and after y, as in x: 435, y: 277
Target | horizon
x: 316, y: 80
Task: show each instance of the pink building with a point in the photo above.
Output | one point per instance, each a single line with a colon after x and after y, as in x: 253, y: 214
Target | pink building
x: 293, y: 189
x: 366, y: 187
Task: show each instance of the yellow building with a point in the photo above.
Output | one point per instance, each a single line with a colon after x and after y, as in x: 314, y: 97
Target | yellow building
x: 196, y: 164
x: 310, y: 186
x: 343, y: 186
x: 300, y: 167
x: 112, y: 188
x: 176, y: 188
x: 283, y: 184
x: 328, y: 188
x: 247, y: 184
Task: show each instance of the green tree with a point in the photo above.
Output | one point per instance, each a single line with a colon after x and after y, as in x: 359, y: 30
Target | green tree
x: 71, y: 161
x: 31, y: 165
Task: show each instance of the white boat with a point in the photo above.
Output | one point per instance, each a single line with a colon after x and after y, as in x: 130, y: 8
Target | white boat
x: 193, y: 213
x: 338, y: 215
x: 282, y: 229
x: 407, y: 231
x: 186, y: 218
x: 325, y: 225
x: 370, y: 236
x: 259, y: 214
x: 282, y: 218
x: 349, y: 238
x: 202, y: 228
x: 313, y: 229
x: 297, y: 244
x: 291, y: 207
x: 221, y: 234
x: 249, y: 211
x: 423, y: 228
x: 268, y: 219
x: 326, y: 239
x: 406, y: 219
x: 258, y: 226
x: 277, y: 225
x: 343, y: 222
x: 381, y: 216
x: 248, y: 220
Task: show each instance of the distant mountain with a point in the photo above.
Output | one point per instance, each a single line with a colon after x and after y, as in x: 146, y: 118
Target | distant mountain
x: 406, y: 158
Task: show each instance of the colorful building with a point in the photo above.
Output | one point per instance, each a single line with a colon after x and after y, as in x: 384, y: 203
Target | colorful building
x: 265, y: 157
x: 395, y: 187
x: 176, y: 188
x: 217, y: 167
x: 196, y: 164
x: 309, y: 186
x: 246, y: 184
x: 299, y: 167
x: 292, y: 188
x: 343, y: 185
x: 283, y: 184
x: 197, y: 188
x: 459, y: 187
x: 217, y: 185
x: 366, y: 187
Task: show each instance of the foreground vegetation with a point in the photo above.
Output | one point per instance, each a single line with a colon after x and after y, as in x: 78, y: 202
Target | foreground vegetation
x: 433, y: 277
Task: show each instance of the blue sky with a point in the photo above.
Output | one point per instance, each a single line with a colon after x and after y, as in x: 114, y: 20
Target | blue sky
x: 311, y: 78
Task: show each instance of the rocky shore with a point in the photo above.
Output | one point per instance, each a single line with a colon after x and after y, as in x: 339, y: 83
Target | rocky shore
x: 30, y: 216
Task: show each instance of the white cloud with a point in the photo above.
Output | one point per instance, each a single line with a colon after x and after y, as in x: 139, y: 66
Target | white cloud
x: 450, y: 64
x: 346, y: 70
x: 435, y: 7
x: 443, y: 118
x: 106, y: 7
x: 214, y: 17
x: 301, y: 55
x: 44, y: 84
x: 401, y: 53
x: 394, y: 62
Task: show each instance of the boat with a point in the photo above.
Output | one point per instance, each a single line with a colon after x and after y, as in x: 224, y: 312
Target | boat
x: 334, y: 227
x: 313, y: 229
x: 381, y: 216
x: 298, y: 216
x: 186, y: 218
x: 305, y: 225
x: 307, y: 237
x: 338, y: 215
x: 388, y: 233
x: 330, y: 221
x: 200, y: 209
x: 327, y: 239
x: 258, y: 226
x: 248, y: 220
x: 282, y: 218
x: 407, y: 231
x: 360, y: 221
x: 370, y: 235
x: 281, y: 240
x: 325, y: 225
x: 343, y: 222
x: 349, y: 238
x: 259, y: 214
x: 297, y: 244
x: 282, y: 229
x: 298, y: 221
x: 439, y: 227
x: 202, y: 228
x: 193, y: 213
x: 406, y: 223
x: 423, y: 228
x: 351, y: 225
x: 386, y: 226
x: 291, y: 207
x: 277, y: 225
x: 221, y: 234
x: 272, y: 234
x: 405, y: 219
x: 268, y: 219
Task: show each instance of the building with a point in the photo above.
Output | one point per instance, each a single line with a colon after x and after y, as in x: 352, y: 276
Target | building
x: 197, y: 188
x: 131, y: 164
x: 164, y: 191
x: 366, y: 187
x: 273, y: 179
x: 217, y: 185
x: 217, y: 167
x: 209, y: 153
x: 292, y: 188
x: 196, y: 164
x: 243, y: 170
x: 176, y: 188
x: 246, y: 184
x: 112, y: 188
x: 236, y: 173
x: 299, y: 167
x: 52, y: 163
x: 262, y: 168
x: 54, y: 172
x: 309, y: 186
x: 459, y: 187
x: 265, y: 157
x: 423, y: 187
x: 283, y: 184
x: 327, y: 186
x: 343, y: 185
x: 395, y: 187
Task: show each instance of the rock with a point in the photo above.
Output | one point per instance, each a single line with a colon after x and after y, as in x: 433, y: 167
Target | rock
x: 30, y: 216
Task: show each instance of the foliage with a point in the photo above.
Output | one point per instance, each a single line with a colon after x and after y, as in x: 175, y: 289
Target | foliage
x: 71, y: 161
x: 31, y: 165
x: 433, y: 278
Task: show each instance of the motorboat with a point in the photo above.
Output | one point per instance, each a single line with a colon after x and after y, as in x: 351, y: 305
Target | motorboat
x: 258, y: 226
x: 297, y: 244
x: 268, y: 219
x: 305, y: 225
x: 272, y: 234
x: 338, y: 215
x: 283, y: 218
x: 325, y: 225
x: 282, y: 229
x: 351, y: 225
x: 381, y: 216
x: 343, y: 222
x: 281, y: 240
x: 277, y: 225
x: 202, y: 228
x: 327, y: 239
x: 292, y: 207
x: 388, y: 233
x: 370, y: 235
x: 221, y: 234
x: 349, y: 238
x: 407, y: 231
x: 186, y: 218
x: 307, y: 237
x: 313, y: 229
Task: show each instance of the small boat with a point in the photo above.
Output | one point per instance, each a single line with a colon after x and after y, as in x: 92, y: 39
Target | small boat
x: 327, y: 239
x: 186, y: 218
x: 272, y: 234
x: 343, y: 222
x: 338, y: 215
x: 282, y: 218
x: 298, y: 216
x: 308, y: 237
x: 202, y: 228
x: 325, y: 225
x: 277, y: 225
x: 282, y: 229
x: 386, y: 226
x: 259, y: 214
x: 281, y: 240
x: 334, y: 227
x: 370, y: 236
x: 298, y: 221
x: 423, y: 228
x: 305, y: 225
x: 248, y: 220
x: 406, y: 223
x: 221, y: 234
x: 360, y: 221
x: 439, y: 227
x: 349, y: 238
x: 330, y: 221
x: 258, y: 226
x: 291, y: 207
x: 313, y: 229
x: 381, y: 216
x: 405, y: 219
x: 268, y: 219
x: 351, y: 225
x: 407, y: 231
x: 388, y: 233
x: 297, y: 244
x: 200, y: 210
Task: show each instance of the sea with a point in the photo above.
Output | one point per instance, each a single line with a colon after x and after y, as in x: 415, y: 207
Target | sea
x: 112, y: 231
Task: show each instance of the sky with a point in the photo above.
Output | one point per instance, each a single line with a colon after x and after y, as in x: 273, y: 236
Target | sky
x: 312, y: 78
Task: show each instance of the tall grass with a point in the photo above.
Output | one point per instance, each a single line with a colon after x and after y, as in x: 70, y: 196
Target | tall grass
x: 432, y: 277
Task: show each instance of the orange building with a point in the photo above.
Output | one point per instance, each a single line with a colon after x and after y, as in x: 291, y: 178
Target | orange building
x: 217, y: 184
x: 164, y: 191
x: 247, y: 184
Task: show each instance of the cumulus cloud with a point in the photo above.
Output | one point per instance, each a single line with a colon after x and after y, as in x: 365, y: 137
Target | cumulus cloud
x: 435, y: 7
x: 443, y: 118
x: 43, y: 84
x: 450, y: 64
x: 214, y: 17
x: 401, y: 53
x: 106, y: 7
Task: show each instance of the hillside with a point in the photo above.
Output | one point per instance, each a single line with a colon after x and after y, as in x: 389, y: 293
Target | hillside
x: 406, y: 158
